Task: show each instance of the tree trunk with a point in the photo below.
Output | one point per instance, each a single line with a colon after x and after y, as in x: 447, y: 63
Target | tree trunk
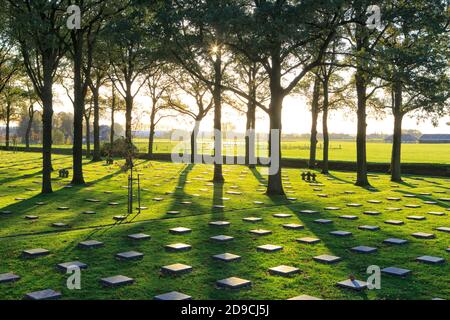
x: 95, y: 96
x: 88, y: 138
x: 275, y: 186
x: 326, y: 138
x: 361, y: 150
x: 47, y: 117
x: 79, y: 96
x: 128, y: 119
x: 8, y: 122
x: 315, y: 115
x: 113, y: 110
x: 396, y: 175
x: 250, y: 146
x: 151, y: 137
x: 28, y: 131
x: 217, y: 96
x: 194, y: 145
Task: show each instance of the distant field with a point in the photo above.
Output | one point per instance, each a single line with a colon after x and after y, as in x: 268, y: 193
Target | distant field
x: 339, y: 150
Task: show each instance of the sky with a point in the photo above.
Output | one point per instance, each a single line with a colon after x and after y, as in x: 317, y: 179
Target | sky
x: 296, y: 118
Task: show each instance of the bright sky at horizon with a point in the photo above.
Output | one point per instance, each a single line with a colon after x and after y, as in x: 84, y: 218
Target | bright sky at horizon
x: 296, y: 119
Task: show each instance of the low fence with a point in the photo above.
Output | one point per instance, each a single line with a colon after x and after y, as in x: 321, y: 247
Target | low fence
x: 425, y: 169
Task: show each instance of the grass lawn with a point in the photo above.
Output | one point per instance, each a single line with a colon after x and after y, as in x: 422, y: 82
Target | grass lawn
x: 166, y: 186
x: 377, y: 152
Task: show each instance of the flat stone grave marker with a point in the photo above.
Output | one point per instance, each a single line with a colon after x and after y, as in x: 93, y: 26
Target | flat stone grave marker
x: 293, y: 226
x: 8, y: 277
x: 284, y: 271
x: 327, y: 259
x: 349, y: 192
x: 393, y: 209
x: 341, y: 233
x: 6, y: 212
x: 113, y: 204
x: 398, y: 272
x: 352, y: 284
x: 412, y: 206
x: 317, y: 189
x: 305, y: 297
x: 234, y: 193
x: 172, y: 296
x: 47, y: 294
x: 354, y: 205
x: 173, y: 213
x: 176, y: 269
x: 40, y: 203
x: 186, y: 203
x: 348, y: 217
x: 372, y: 213
x: 71, y: 265
x: 323, y: 221
x: 425, y: 194
x: 93, y: 200
x: 308, y: 212
x: 252, y: 219
x: 423, y: 235
x: 431, y: 260
x: 219, y: 224
x: 227, y: 257
x: 158, y: 199
x: 260, y: 232
x: 443, y: 229
x: 395, y: 241
x: 59, y: 225
x: 233, y: 283
x: 139, y: 236
x: 364, y: 249
x: 269, y: 248
x: 291, y: 199
x: 63, y: 208
x: 409, y: 196
x: 375, y: 201
x: 258, y: 202
x: 308, y: 240
x: 393, y: 199
x: 444, y: 199
x: 31, y: 217
x: 20, y: 199
x: 178, y: 247
x: 120, y: 218
x: 218, y: 206
x: 90, y: 244
x: 222, y: 238
x: 417, y: 218
x: 369, y: 228
x: 332, y: 208
x: 322, y: 195
x: 34, y: 253
x: 89, y: 212
x: 116, y: 281
x: 130, y: 255
x: 282, y: 215
x: 180, y: 230
x: 394, y: 222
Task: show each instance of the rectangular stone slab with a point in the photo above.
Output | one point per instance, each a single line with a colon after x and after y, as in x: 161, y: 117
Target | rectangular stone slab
x: 305, y: 298
x: 431, y: 260
x: 178, y: 247
x: 47, y: 294
x: 139, y: 236
x: 328, y: 259
x: 90, y: 244
x: 395, y: 241
x: 180, y: 230
x: 130, y: 255
x: 308, y: 240
x: 369, y: 228
x: 269, y: 248
x: 423, y: 235
x: 227, y: 257
x: 399, y: 272
x: 284, y: 270
x: 341, y: 233
x: 222, y: 238
x: 70, y: 265
x: 172, y: 296
x: 293, y: 226
x: 176, y: 269
x: 352, y: 284
x: 8, y: 277
x: 364, y: 249
x: 34, y: 253
x: 116, y: 281
x: 233, y: 283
